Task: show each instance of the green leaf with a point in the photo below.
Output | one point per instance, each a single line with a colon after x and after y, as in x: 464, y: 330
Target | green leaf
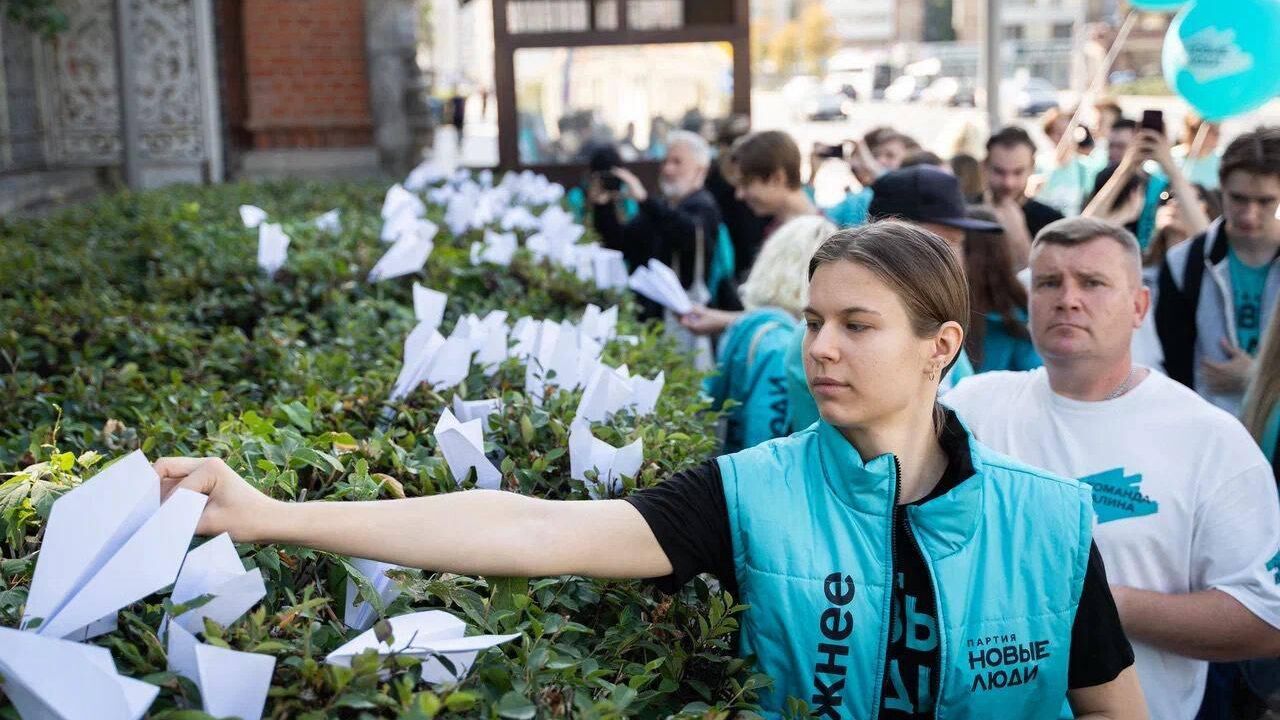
x: 515, y: 706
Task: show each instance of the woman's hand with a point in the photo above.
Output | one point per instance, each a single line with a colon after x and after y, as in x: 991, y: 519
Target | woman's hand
x: 1154, y: 145
x: 703, y: 320
x: 234, y: 506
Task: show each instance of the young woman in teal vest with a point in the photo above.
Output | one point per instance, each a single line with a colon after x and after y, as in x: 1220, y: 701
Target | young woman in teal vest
x: 894, y: 566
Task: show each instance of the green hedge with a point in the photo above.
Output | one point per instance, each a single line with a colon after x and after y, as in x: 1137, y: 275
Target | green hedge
x: 142, y: 321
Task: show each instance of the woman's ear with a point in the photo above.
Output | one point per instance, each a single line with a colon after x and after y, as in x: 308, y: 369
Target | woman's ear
x: 947, y: 344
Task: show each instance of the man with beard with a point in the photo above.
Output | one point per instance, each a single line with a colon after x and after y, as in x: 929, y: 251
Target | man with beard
x: 669, y: 226
x: 1011, y: 160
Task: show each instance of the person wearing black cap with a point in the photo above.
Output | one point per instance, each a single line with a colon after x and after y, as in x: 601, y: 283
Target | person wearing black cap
x: 921, y: 195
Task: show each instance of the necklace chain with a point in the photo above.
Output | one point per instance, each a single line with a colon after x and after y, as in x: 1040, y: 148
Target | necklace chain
x: 1124, y: 386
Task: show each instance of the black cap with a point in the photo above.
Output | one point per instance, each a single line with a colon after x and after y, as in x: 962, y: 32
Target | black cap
x: 923, y: 194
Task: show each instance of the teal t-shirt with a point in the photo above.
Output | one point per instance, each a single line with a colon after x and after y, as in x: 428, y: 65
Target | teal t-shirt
x: 1247, y: 286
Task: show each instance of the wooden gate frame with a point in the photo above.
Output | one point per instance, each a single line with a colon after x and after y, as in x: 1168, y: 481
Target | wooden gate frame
x: 505, y: 44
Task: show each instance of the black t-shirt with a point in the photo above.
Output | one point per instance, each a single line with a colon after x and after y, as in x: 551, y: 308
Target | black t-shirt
x: 689, y: 517
x: 1038, y: 215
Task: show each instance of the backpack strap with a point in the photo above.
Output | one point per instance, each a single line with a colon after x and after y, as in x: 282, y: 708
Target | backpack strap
x: 756, y: 338
x: 1176, y: 309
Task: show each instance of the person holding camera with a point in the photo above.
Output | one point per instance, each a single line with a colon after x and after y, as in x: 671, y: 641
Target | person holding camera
x: 670, y: 225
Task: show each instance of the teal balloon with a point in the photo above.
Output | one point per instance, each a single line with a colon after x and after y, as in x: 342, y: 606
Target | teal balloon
x: 1157, y: 4
x: 1223, y: 56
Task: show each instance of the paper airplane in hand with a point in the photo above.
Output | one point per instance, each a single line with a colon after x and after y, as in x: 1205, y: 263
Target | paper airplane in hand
x: 108, y: 543
x: 232, y: 683
x: 359, y: 614
x: 462, y: 445
x: 330, y: 222
x: 215, y: 569
x: 425, y: 635
x: 252, y: 216
x: 52, y: 679
x: 273, y: 247
x: 587, y: 452
x: 660, y: 284
x: 408, y: 254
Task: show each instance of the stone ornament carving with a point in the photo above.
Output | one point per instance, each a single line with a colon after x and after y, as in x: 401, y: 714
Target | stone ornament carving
x: 82, y: 96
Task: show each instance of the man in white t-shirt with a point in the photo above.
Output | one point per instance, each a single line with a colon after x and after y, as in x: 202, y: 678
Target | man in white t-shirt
x: 1188, y: 517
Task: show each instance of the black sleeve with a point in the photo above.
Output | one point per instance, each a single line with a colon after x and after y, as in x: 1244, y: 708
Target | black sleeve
x: 1099, y: 648
x: 688, y: 516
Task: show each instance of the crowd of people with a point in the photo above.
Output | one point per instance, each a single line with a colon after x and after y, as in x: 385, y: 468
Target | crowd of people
x: 1002, y: 432
x: 1121, y: 288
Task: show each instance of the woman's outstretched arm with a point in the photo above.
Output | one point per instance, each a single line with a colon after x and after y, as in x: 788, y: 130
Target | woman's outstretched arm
x: 479, y: 532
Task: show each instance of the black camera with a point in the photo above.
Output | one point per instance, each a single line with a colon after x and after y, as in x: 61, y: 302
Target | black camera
x: 830, y: 152
x: 609, y: 181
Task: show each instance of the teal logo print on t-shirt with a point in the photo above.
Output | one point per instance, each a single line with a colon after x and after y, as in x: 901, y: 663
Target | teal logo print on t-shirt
x: 1117, y: 496
x: 1274, y: 567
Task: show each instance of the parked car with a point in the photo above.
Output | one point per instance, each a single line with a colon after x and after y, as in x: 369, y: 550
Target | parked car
x: 905, y: 89
x: 1033, y: 97
x: 827, y: 107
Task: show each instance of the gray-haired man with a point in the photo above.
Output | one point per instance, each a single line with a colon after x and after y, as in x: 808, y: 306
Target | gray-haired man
x: 1188, y: 517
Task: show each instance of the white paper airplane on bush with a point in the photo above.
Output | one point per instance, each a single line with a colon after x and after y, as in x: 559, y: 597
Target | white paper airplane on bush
x: 430, y: 358
x: 660, y: 284
x: 468, y: 410
x: 608, y: 269
x: 232, y: 683
x: 599, y: 325
x: 462, y: 445
x: 330, y: 222
x: 408, y: 254
x: 401, y: 209
x: 518, y: 218
x: 610, y: 390
x: 273, y: 247
x: 108, y: 543
x: 53, y: 679
x: 215, y: 569
x: 428, y: 172
x: 497, y: 248
x: 359, y: 614
x: 587, y: 452
x: 252, y: 216
x: 428, y: 305
x: 428, y: 636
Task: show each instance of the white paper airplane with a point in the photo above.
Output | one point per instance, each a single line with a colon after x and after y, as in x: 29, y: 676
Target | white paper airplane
x: 518, y: 218
x: 428, y: 172
x: 330, y: 222
x: 51, y: 679
x: 660, y: 284
x: 428, y: 305
x: 232, y: 683
x: 497, y: 248
x: 215, y: 569
x: 425, y: 635
x: 273, y: 247
x: 108, y: 543
x: 462, y: 445
x: 359, y: 614
x: 599, y: 325
x: 468, y: 410
x: 587, y: 452
x: 407, y: 255
x: 609, y: 270
x: 252, y: 216
x: 400, y: 201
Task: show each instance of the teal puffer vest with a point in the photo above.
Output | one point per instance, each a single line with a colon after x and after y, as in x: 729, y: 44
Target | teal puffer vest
x: 813, y: 548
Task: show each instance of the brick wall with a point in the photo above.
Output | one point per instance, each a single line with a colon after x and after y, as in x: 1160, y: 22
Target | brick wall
x: 306, y: 80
